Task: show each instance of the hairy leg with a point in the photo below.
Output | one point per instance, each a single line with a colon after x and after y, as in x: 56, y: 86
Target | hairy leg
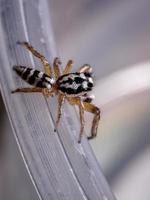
x: 81, y: 111
x: 68, y: 67
x: 61, y: 100
x: 47, y: 68
x: 89, y: 107
x: 56, y: 67
x: 44, y: 91
x: 85, y: 68
x: 96, y: 111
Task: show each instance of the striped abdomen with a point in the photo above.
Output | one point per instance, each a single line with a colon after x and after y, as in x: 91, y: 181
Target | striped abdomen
x: 34, y: 77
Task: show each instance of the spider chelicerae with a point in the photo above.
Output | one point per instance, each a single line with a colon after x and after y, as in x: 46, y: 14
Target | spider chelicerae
x: 73, y: 87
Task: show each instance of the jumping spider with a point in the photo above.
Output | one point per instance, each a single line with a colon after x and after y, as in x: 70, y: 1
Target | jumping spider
x: 73, y: 87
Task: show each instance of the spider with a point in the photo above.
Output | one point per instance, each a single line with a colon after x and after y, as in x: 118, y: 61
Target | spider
x: 73, y: 87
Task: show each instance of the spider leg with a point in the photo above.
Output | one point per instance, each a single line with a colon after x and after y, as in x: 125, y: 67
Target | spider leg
x: 96, y: 111
x: 89, y: 107
x: 81, y: 111
x: 56, y: 67
x: 68, y: 67
x: 61, y: 100
x: 85, y: 68
x: 78, y: 101
x: 44, y: 91
x: 47, y: 68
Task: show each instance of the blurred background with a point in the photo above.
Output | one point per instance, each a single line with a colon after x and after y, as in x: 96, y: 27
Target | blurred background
x: 113, y: 37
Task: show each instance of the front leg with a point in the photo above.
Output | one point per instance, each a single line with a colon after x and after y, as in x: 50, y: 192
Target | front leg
x: 78, y: 101
x: 96, y: 111
x: 89, y: 107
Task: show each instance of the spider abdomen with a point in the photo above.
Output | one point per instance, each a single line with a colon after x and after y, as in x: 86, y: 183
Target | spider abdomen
x: 34, y: 77
x: 75, y: 83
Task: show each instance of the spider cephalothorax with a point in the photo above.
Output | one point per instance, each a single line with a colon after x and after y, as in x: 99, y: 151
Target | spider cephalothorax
x: 73, y: 87
x: 74, y: 84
